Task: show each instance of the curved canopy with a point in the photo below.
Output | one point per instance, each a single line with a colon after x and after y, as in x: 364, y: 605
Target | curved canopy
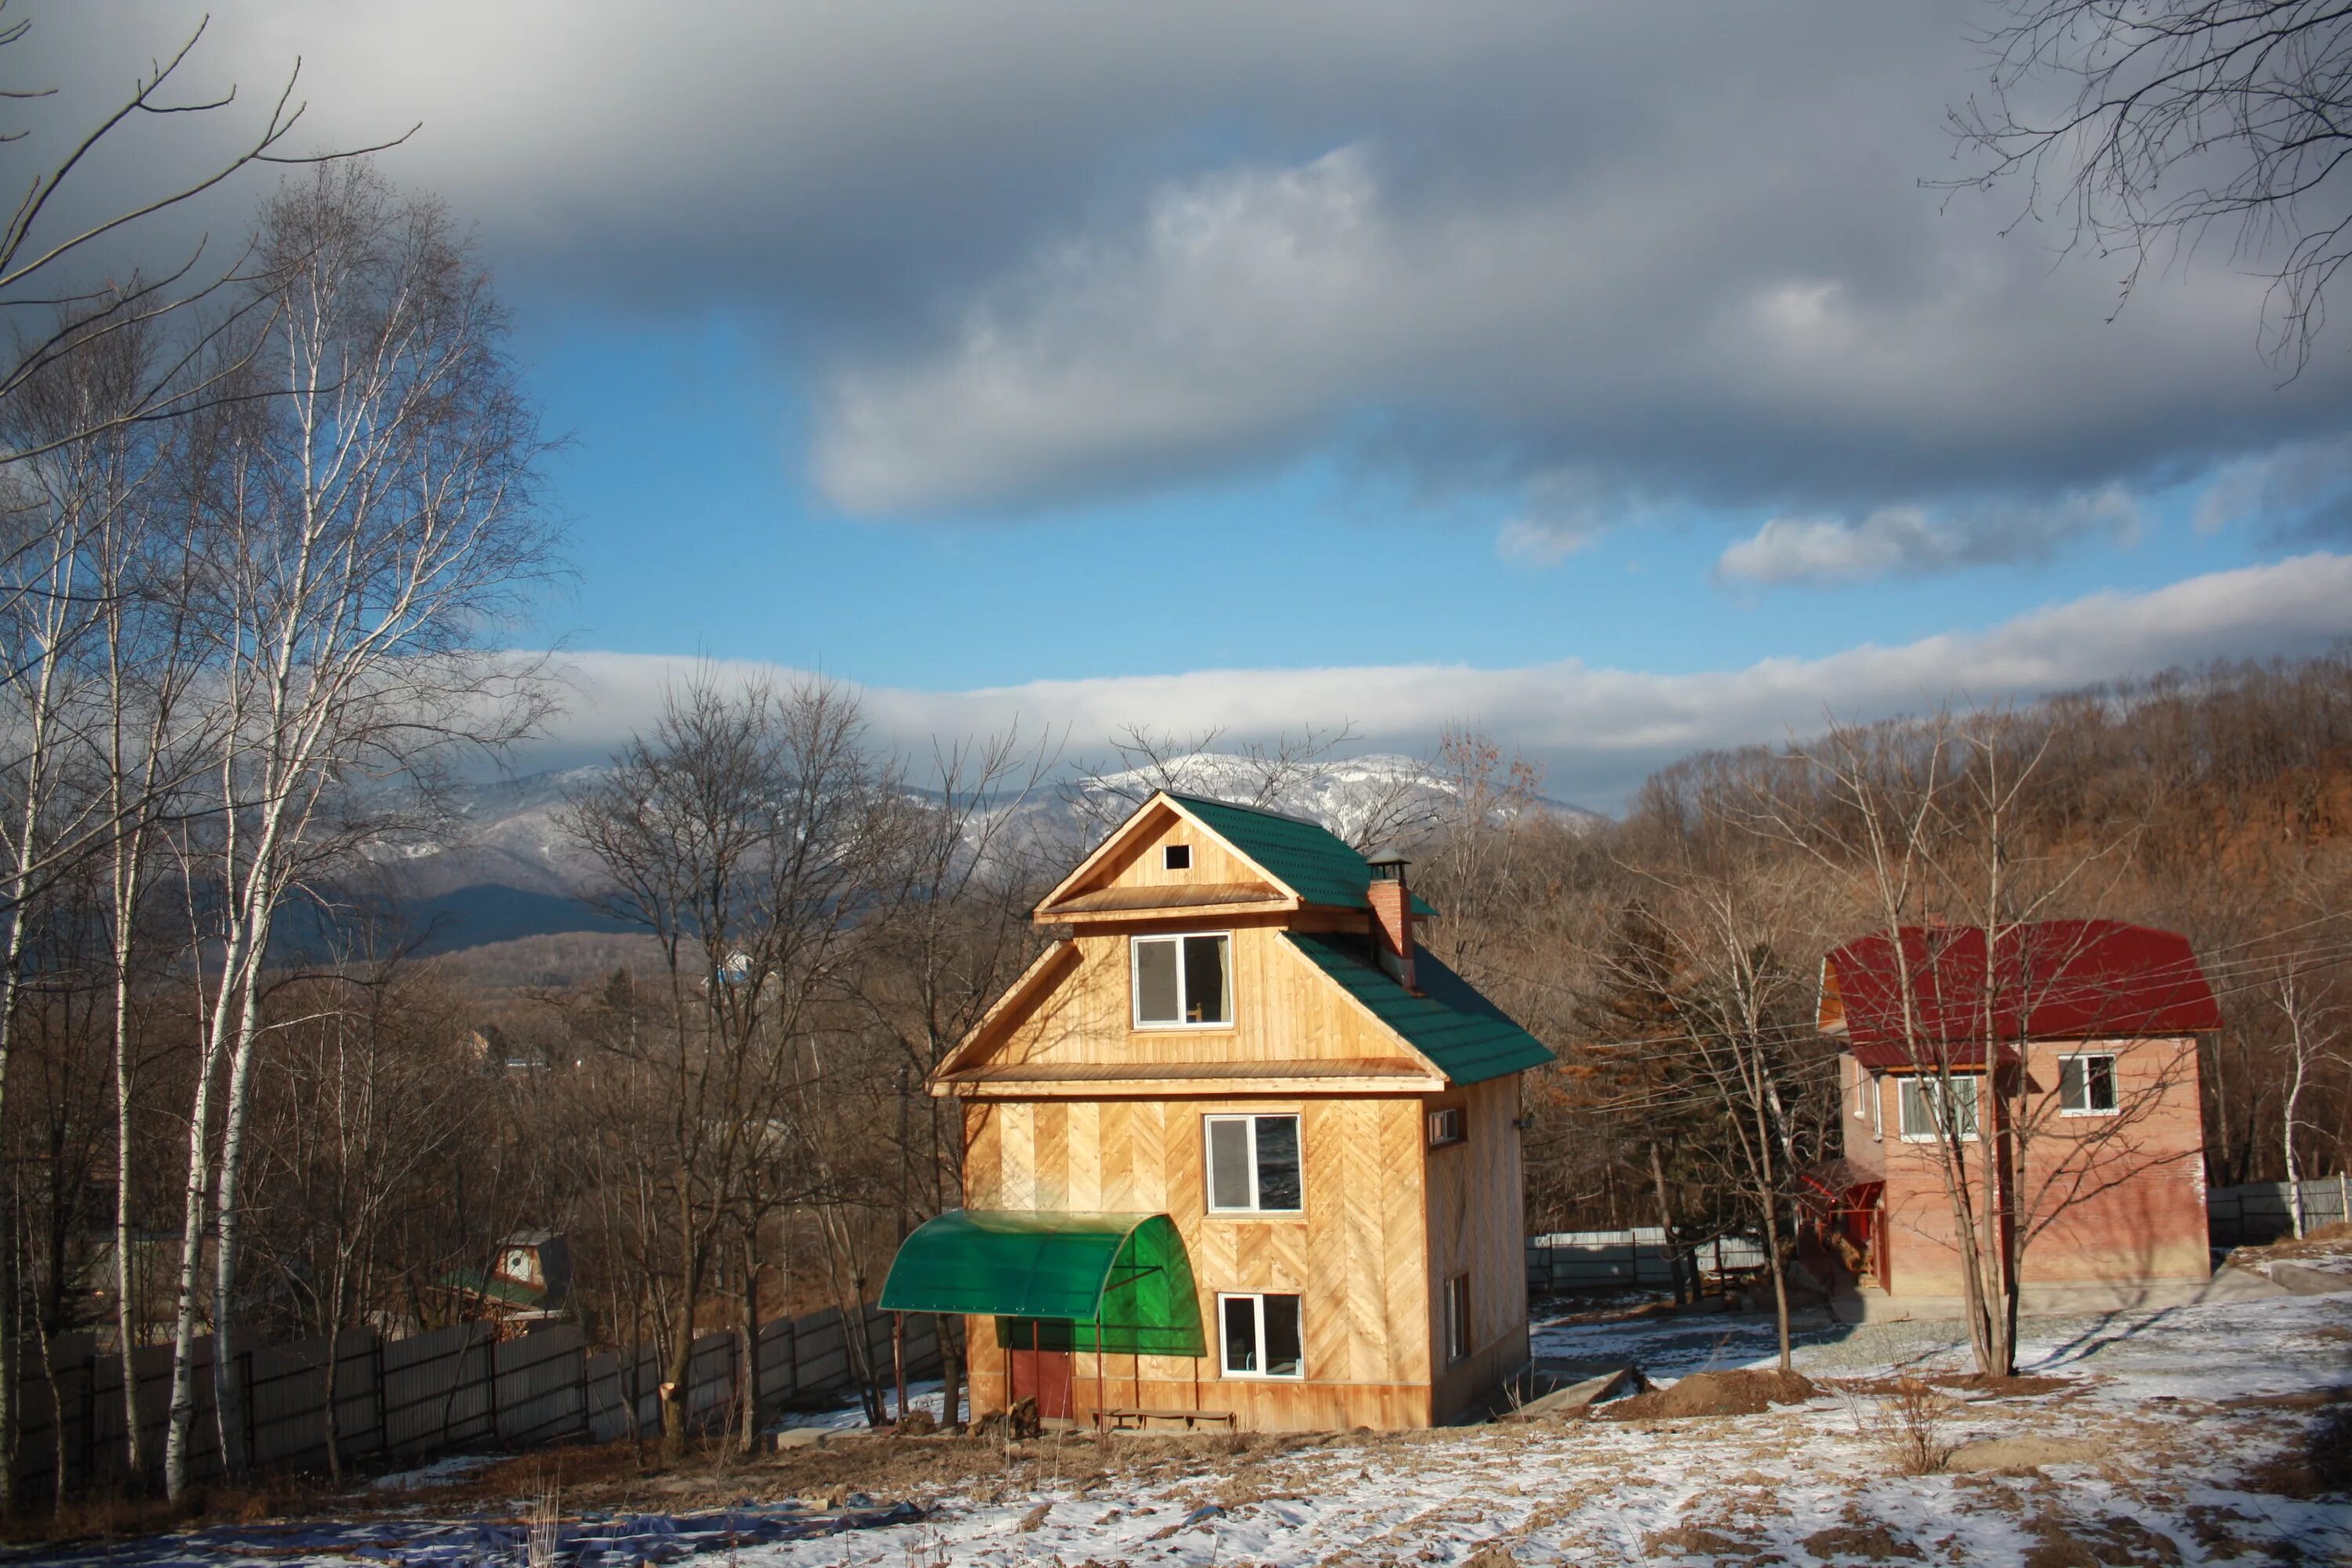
x: 1123, y: 1277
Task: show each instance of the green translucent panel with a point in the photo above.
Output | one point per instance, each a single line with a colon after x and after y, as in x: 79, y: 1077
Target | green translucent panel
x: 1123, y: 1277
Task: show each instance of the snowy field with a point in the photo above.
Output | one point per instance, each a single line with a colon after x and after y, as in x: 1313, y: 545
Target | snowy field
x: 2154, y: 1463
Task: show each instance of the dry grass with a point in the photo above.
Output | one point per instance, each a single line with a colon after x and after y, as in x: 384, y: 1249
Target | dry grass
x: 1917, y: 1433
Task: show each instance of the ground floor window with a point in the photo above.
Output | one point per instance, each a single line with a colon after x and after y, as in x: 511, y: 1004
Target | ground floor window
x: 1457, y: 1317
x: 1261, y: 1336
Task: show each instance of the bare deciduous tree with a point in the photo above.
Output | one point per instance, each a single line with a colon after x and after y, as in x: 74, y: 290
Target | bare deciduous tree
x: 370, y: 522
x: 2171, y: 117
x: 750, y: 834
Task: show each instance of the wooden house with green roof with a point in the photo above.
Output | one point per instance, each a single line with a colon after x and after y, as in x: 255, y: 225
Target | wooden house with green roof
x: 1234, y: 1146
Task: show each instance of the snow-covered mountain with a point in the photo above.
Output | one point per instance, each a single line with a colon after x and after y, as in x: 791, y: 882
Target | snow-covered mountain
x: 504, y: 868
x: 1367, y: 800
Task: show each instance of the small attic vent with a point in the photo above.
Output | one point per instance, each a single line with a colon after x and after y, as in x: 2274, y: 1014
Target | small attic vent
x: 1177, y: 857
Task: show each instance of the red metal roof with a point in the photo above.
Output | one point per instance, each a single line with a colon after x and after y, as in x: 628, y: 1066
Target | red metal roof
x: 2054, y: 980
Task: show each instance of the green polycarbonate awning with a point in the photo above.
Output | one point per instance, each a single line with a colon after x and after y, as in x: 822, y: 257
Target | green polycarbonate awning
x: 1121, y: 1276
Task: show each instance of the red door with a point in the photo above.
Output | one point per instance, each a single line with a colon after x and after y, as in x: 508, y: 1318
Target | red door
x: 1042, y: 1375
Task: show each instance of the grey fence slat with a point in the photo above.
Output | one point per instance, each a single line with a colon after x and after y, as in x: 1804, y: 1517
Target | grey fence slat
x: 2259, y: 1211
x: 455, y: 1388
x: 1571, y: 1262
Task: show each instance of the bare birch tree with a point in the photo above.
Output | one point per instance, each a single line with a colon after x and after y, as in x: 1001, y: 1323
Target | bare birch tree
x: 372, y: 520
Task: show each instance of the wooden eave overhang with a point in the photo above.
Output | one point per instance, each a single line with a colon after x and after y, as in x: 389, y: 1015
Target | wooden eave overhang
x: 1125, y: 904
x: 1048, y: 969
x: 1096, y: 1081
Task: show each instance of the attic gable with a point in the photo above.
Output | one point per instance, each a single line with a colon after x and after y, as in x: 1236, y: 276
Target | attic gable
x: 1233, y: 857
x: 1164, y: 857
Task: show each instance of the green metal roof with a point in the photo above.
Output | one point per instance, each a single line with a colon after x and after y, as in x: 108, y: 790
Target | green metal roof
x: 1123, y: 1277
x: 1304, y: 857
x: 1469, y: 1038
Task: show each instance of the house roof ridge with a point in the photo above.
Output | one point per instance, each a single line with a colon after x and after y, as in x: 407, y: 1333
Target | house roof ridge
x: 1188, y: 799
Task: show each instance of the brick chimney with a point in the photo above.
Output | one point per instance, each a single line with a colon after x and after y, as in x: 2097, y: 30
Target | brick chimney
x: 1391, y: 899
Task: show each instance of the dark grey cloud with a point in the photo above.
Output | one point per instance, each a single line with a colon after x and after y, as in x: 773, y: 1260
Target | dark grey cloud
x: 1026, y: 254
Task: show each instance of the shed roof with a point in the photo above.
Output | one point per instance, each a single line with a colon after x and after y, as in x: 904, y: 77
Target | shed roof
x: 2049, y: 980
x: 1469, y: 1038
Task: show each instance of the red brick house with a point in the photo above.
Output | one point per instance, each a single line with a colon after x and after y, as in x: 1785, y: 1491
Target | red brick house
x: 2101, y: 1157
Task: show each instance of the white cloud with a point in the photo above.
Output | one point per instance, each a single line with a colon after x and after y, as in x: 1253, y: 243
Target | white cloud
x: 1907, y: 540
x: 1598, y: 730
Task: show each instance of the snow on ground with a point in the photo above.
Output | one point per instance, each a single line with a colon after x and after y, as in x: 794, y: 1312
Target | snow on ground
x: 441, y: 1472
x: 929, y: 1396
x: 1810, y: 1484
x: 2158, y: 1469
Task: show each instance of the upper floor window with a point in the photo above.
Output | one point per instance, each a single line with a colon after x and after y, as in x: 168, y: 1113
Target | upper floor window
x: 2086, y: 1084
x: 1254, y: 1164
x: 1176, y: 857
x: 1448, y: 1124
x: 1924, y: 1095
x: 1183, y: 982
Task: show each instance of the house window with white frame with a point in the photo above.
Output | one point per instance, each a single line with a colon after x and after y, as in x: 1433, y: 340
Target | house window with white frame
x: 1183, y: 982
x: 1254, y: 1164
x: 1924, y: 1094
x: 1260, y: 1336
x: 2086, y: 1084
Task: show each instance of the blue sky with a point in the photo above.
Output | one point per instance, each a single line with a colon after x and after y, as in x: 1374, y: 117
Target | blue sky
x: 1602, y: 375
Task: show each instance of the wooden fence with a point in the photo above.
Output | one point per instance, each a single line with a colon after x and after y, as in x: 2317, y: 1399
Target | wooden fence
x: 456, y: 1389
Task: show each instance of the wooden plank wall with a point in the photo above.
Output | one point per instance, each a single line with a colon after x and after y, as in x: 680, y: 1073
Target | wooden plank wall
x: 1286, y: 1009
x: 1476, y: 1227
x: 1355, y: 1255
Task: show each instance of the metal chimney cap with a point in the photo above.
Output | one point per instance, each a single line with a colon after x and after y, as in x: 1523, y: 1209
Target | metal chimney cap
x: 1388, y: 864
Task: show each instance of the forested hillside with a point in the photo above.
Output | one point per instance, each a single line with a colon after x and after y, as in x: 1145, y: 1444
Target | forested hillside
x: 2212, y: 802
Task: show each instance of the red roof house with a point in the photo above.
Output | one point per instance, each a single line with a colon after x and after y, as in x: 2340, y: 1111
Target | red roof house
x: 2091, y: 1112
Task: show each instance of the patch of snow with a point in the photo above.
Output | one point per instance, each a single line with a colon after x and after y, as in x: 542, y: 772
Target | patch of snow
x: 929, y: 1396
x: 441, y: 1472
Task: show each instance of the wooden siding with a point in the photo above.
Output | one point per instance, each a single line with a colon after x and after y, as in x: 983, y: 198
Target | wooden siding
x: 1136, y: 861
x: 1476, y: 1227
x: 1356, y: 1255
x: 1284, y: 1010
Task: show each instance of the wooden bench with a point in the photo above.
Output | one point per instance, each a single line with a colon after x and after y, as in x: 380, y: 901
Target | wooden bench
x: 1118, y: 1420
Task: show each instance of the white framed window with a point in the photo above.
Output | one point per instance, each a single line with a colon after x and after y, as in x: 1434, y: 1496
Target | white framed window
x: 1874, y: 1086
x: 1259, y: 1336
x: 1924, y: 1094
x: 1176, y: 857
x: 1457, y: 1318
x: 1183, y: 982
x: 2086, y: 1084
x: 1254, y: 1164
x: 1448, y: 1124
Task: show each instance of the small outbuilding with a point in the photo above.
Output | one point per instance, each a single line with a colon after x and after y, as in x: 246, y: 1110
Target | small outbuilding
x: 1237, y: 1147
